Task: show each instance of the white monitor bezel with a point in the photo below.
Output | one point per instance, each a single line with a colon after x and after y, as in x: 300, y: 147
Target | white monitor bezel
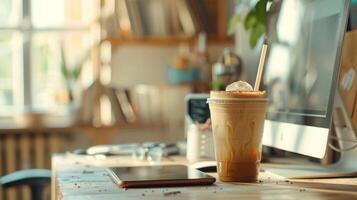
x: 312, y: 140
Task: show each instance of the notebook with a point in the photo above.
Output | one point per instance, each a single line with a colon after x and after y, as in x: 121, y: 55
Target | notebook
x: 159, y: 176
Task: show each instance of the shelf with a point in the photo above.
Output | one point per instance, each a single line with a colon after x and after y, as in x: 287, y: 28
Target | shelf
x: 164, y: 40
x: 119, y: 126
x: 9, y: 126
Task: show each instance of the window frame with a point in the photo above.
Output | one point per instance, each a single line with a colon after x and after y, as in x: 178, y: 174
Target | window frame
x: 22, y: 94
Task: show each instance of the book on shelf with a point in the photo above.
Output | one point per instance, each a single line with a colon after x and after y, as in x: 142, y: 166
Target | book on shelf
x: 135, y: 16
x: 185, y: 17
x: 108, y: 19
x: 123, y: 19
x: 122, y: 108
x: 165, y: 17
x: 117, y: 112
x: 201, y: 16
x: 147, y: 100
x: 126, y: 107
x: 157, y: 18
x: 176, y: 27
x: 117, y: 100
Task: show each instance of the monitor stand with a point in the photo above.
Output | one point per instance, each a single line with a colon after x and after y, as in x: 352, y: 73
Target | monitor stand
x: 347, y: 164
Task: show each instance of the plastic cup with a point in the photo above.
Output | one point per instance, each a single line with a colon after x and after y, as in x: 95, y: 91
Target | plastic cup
x: 237, y: 123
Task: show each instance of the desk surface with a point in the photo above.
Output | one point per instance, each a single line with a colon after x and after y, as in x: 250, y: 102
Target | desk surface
x: 77, y: 177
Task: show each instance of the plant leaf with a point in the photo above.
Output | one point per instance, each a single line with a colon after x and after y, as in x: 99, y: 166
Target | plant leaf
x: 256, y: 33
x: 251, y: 20
x: 76, y: 72
x: 261, y: 10
x: 78, y: 66
x: 232, y: 24
x: 64, y: 69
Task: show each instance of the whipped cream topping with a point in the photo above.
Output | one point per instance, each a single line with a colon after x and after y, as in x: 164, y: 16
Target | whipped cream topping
x: 241, y: 86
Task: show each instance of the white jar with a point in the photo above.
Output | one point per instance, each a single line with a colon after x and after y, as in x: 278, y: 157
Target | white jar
x: 199, y: 143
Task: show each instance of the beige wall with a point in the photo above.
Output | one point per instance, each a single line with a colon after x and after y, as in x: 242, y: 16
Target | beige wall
x: 132, y: 65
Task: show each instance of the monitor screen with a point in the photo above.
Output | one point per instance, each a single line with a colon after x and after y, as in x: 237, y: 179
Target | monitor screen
x: 301, y: 71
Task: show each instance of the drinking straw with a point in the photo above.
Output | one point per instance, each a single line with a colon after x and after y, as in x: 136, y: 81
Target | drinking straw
x: 260, y: 67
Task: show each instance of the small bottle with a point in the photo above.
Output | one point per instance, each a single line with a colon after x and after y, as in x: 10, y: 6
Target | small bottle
x: 202, y: 57
x: 226, y: 70
x: 199, y: 143
x: 193, y: 142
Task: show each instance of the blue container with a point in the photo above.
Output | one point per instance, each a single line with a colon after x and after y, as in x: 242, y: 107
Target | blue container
x: 177, y: 76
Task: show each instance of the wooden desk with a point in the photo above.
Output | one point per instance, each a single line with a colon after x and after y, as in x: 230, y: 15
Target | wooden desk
x: 74, y: 178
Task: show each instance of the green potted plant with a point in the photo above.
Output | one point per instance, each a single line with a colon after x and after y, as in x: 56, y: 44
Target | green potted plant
x: 250, y: 22
x: 255, y: 21
x: 71, y: 73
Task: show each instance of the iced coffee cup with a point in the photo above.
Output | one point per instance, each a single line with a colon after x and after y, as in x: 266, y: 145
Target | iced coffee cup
x: 237, y: 117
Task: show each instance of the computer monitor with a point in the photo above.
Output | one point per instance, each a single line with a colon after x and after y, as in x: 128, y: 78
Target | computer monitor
x: 301, y: 73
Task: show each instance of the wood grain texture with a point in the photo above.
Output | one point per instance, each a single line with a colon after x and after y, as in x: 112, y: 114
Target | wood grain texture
x: 39, y: 145
x: 87, y: 178
x: 25, y: 158
x: 10, y: 163
x: 2, y: 161
x: 222, y: 17
x: 54, y: 143
x: 26, y: 148
x: 166, y: 41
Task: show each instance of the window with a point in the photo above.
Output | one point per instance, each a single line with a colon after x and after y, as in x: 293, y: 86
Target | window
x: 10, y: 61
x: 10, y: 12
x: 33, y: 35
